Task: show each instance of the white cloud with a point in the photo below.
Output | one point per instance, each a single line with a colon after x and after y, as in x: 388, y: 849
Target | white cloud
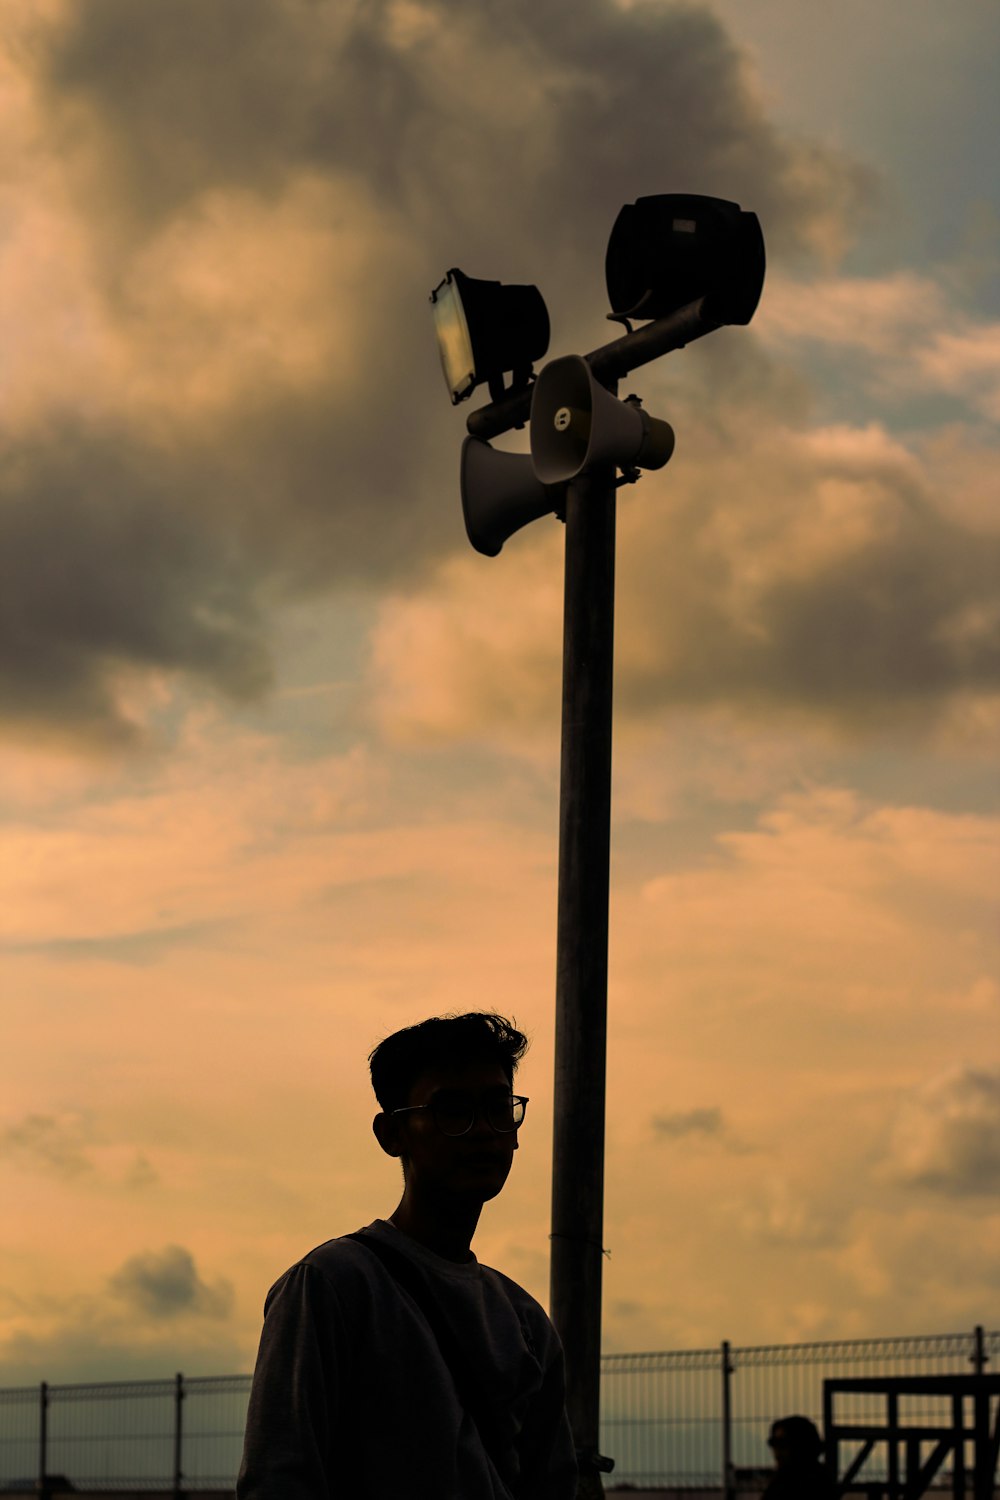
x: 915, y: 336
x: 965, y: 363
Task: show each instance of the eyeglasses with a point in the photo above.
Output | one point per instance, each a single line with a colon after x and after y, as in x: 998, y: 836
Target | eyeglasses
x: 455, y: 1112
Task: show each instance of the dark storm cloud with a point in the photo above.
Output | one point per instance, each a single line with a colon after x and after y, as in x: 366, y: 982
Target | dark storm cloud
x: 81, y: 1339
x: 500, y: 110
x: 704, y: 1122
x: 132, y: 949
x: 47, y: 1142
x: 824, y: 572
x: 102, y: 568
x: 183, y: 96
x: 865, y: 638
x: 84, y: 1355
x: 62, y: 1145
x: 947, y: 1136
x: 494, y: 136
x: 879, y: 631
x: 165, y: 1284
x: 702, y: 1125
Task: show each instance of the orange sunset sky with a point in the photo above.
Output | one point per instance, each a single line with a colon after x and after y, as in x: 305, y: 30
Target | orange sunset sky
x: 279, y: 752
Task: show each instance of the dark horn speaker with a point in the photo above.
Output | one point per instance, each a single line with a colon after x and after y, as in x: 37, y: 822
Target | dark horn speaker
x: 500, y: 494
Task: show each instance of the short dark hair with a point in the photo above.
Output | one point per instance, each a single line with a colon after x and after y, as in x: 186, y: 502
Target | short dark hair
x: 443, y: 1041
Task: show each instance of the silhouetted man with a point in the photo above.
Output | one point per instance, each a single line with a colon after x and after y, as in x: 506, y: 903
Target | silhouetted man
x: 799, y: 1471
x: 392, y: 1364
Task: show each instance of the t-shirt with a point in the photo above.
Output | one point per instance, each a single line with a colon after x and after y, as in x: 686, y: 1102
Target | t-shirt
x: 352, y: 1397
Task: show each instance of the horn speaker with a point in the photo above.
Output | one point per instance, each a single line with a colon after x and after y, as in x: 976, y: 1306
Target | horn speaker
x: 500, y: 494
x: 576, y: 423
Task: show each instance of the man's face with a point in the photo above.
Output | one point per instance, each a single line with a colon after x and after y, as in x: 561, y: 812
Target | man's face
x: 473, y: 1166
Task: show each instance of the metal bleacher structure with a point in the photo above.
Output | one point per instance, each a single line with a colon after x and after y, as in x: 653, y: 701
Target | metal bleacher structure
x: 969, y: 1418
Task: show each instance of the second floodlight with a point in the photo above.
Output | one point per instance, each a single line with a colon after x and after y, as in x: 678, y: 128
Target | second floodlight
x: 486, y: 330
x: 671, y: 249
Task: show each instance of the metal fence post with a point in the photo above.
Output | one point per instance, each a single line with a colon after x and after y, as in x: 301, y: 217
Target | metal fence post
x: 178, y: 1434
x: 43, y: 1433
x: 728, y: 1488
x: 979, y: 1359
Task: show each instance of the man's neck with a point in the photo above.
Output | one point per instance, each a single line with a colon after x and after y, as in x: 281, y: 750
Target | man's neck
x: 448, y: 1233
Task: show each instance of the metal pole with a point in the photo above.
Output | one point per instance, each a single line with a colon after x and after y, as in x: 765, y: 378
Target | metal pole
x: 728, y: 1489
x: 43, y: 1433
x: 582, y: 955
x: 178, y: 1434
x: 984, y: 1461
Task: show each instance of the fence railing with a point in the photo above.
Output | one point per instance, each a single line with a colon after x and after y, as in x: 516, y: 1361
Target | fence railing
x: 690, y: 1419
x: 172, y: 1435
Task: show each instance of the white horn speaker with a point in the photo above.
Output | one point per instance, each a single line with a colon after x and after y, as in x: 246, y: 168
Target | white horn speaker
x: 576, y: 423
x: 500, y: 494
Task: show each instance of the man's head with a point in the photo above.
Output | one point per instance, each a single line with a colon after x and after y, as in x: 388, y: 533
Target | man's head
x: 442, y: 1042
x: 794, y: 1441
x: 439, y: 1073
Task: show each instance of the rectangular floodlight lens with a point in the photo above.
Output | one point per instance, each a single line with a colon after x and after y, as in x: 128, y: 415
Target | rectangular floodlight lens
x: 454, y: 343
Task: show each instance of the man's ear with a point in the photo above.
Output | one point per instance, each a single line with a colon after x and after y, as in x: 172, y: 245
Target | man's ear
x: 386, y: 1132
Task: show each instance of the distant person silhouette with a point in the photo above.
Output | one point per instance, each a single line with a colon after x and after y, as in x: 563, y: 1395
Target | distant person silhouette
x: 800, y: 1473
x: 393, y: 1365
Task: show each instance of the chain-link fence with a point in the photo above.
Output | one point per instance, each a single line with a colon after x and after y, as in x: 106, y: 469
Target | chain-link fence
x: 686, y: 1420
x: 177, y: 1436
x: 692, y: 1419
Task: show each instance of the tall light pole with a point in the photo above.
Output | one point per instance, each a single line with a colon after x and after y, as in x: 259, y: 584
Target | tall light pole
x: 689, y: 265
x: 576, y: 1260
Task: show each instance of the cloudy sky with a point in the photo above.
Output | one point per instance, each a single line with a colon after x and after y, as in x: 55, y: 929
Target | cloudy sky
x: 279, y: 751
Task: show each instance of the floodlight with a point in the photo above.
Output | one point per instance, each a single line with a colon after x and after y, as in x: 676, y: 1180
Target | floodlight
x: 671, y: 249
x: 484, y: 330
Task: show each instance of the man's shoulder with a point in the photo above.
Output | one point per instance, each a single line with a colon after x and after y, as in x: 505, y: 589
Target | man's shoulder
x: 335, y: 1254
x: 529, y: 1309
x: 339, y: 1263
x: 514, y: 1290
